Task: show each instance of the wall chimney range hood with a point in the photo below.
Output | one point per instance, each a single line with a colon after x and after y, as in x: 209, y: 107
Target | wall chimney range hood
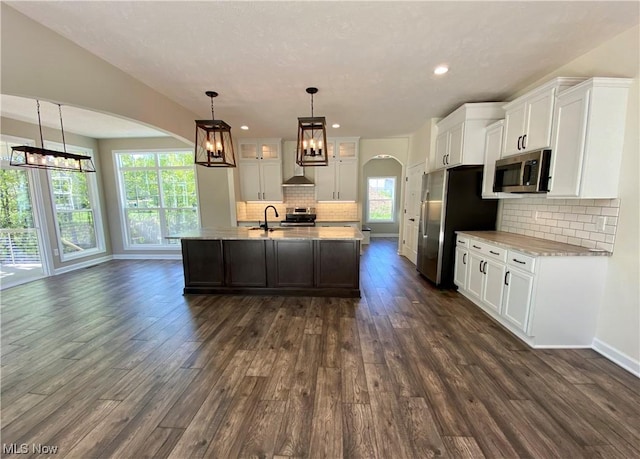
x: 298, y: 178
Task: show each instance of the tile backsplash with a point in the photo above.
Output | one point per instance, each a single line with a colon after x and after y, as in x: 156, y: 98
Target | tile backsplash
x: 588, y: 223
x: 300, y: 197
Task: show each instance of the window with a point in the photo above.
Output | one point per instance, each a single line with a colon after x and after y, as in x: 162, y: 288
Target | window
x: 158, y: 196
x: 76, y: 209
x: 381, y: 198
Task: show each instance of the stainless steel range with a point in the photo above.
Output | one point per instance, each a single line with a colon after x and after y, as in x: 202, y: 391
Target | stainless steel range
x: 300, y: 216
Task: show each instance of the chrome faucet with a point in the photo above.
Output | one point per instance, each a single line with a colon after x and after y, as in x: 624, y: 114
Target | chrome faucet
x: 266, y: 225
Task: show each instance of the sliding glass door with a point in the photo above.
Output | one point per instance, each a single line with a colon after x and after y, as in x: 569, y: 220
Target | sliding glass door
x: 20, y: 232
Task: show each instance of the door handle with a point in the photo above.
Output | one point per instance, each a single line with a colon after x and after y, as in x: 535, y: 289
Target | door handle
x: 480, y: 266
x: 524, y: 141
x: 444, y: 160
x: 464, y: 258
x: 505, y: 277
x: 484, y: 268
x: 519, y: 139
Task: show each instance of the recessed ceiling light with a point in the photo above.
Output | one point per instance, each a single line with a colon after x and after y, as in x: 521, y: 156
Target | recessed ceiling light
x: 441, y: 70
x: 335, y: 125
x: 244, y: 128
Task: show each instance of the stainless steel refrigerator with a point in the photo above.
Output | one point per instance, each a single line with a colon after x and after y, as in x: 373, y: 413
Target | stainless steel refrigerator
x: 451, y: 201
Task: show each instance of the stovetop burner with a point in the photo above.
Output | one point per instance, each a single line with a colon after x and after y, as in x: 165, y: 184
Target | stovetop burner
x: 300, y: 216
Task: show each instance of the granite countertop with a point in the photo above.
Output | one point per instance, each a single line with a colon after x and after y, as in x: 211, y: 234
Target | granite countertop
x: 278, y: 233
x: 533, y: 245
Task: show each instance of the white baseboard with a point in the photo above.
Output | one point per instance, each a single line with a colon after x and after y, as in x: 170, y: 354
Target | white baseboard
x: 619, y: 358
x: 150, y: 256
x: 384, y: 234
x: 83, y: 264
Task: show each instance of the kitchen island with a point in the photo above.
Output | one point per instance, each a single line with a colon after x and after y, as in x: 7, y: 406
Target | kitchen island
x: 305, y: 261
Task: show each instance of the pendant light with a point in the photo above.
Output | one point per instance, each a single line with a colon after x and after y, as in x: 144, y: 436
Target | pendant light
x: 214, y: 146
x: 42, y: 158
x: 312, y: 138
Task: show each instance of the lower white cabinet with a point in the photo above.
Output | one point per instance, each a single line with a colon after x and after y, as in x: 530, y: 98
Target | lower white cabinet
x: 493, y: 284
x: 517, y: 297
x: 546, y: 301
x: 462, y: 265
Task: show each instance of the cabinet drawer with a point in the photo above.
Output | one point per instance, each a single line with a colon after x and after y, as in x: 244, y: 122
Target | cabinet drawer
x: 521, y: 261
x: 489, y: 250
x: 462, y: 241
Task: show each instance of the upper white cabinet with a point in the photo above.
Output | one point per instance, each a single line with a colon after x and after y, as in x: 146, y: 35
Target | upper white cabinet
x: 588, y: 139
x: 265, y: 149
x: 460, y: 138
x: 338, y: 181
x: 260, y: 169
x: 492, y: 150
x: 528, y: 120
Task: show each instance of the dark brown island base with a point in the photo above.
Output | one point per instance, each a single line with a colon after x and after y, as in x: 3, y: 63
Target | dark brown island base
x: 309, y: 261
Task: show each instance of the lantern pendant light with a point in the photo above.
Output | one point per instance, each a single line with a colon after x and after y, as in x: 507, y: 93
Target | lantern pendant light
x: 214, y: 146
x: 42, y: 158
x: 311, y: 148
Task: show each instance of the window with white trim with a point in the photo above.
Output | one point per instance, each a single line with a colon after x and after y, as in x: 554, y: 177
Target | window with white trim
x: 158, y: 196
x: 381, y: 198
x: 76, y: 208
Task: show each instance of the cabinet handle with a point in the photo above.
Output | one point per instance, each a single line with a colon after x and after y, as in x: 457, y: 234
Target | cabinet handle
x: 476, y: 247
x: 480, y: 266
x: 524, y: 141
x: 484, y: 268
x: 495, y: 253
x: 464, y: 258
x: 334, y: 195
x: 448, y: 159
x: 519, y: 139
x: 444, y: 160
x: 338, y: 195
x: 258, y: 195
x: 521, y: 262
x: 412, y: 219
x: 505, y: 277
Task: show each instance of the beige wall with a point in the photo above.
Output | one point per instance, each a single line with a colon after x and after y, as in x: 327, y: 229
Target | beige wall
x: 382, y: 168
x: 30, y: 131
x: 619, y: 321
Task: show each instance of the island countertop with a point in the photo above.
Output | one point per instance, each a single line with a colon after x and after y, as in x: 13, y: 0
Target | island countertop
x: 275, y: 233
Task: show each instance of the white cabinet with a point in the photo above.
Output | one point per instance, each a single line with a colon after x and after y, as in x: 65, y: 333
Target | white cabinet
x: 461, y: 272
x: 265, y: 149
x: 492, y: 152
x: 260, y: 169
x: 547, y: 301
x: 485, y: 274
x: 338, y: 181
x: 460, y: 138
x: 528, y: 120
x: 517, y: 297
x: 493, y: 284
x: 588, y: 139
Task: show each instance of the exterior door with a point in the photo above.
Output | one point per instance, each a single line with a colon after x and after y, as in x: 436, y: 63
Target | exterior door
x: 412, y: 212
x: 21, y: 243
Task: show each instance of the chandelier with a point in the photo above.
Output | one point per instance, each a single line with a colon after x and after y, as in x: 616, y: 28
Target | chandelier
x: 42, y: 158
x: 214, y: 146
x: 312, y: 138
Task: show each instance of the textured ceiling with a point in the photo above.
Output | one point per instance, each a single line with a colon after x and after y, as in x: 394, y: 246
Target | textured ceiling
x: 372, y: 61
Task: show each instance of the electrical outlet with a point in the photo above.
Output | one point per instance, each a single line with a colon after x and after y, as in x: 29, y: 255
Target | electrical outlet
x: 56, y: 252
x: 601, y: 222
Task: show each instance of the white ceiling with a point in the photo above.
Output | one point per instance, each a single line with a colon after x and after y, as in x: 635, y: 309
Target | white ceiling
x: 76, y: 120
x: 372, y: 61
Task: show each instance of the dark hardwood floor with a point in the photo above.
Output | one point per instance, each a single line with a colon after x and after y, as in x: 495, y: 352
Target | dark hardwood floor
x: 112, y: 361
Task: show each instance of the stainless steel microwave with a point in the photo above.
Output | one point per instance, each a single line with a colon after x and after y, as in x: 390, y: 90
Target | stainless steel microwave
x: 525, y: 173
